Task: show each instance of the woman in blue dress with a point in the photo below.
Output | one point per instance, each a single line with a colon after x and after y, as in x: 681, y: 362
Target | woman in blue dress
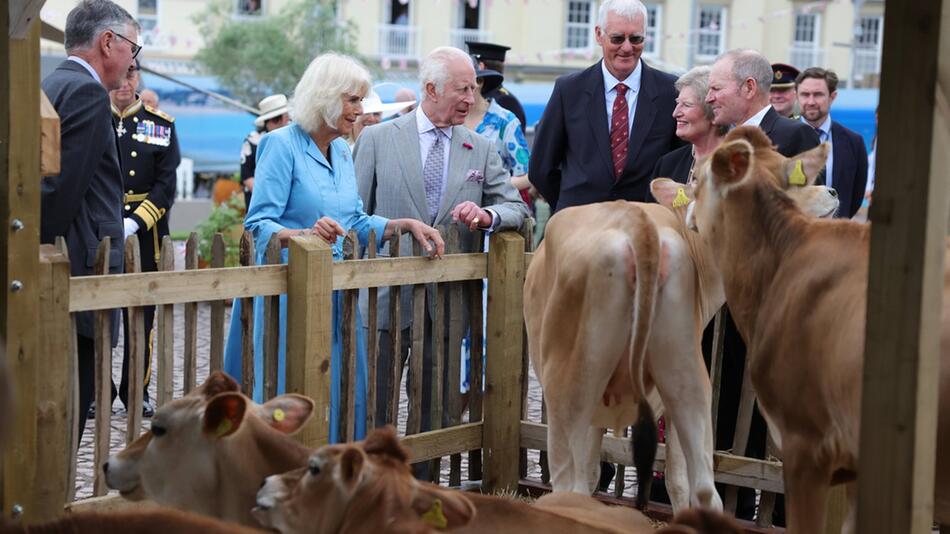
x: 306, y: 185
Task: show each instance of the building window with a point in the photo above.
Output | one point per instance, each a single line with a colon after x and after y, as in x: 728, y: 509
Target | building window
x: 867, y: 50
x: 710, y: 36
x: 654, y: 30
x: 250, y: 8
x: 468, y: 24
x: 581, y: 19
x: 148, y: 20
x: 806, y: 48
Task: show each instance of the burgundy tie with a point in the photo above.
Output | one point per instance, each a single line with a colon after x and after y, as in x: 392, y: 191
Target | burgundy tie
x: 619, y: 131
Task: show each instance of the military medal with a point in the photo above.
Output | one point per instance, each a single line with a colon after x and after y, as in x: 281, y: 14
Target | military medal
x: 120, y: 129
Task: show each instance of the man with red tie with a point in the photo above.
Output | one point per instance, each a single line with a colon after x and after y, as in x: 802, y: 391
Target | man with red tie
x: 605, y: 127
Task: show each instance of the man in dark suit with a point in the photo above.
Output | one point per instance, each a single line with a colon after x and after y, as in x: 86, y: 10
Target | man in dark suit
x: 605, y: 127
x: 493, y: 56
x: 739, y: 85
x: 848, y: 160
x: 84, y: 202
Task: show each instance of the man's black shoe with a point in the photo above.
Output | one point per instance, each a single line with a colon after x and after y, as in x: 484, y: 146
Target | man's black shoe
x: 147, y: 409
x: 607, y: 473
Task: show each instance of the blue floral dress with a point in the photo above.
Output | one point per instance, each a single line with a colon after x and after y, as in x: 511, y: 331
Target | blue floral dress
x: 294, y: 186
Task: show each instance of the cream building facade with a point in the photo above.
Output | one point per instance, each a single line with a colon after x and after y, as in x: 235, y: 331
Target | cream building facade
x: 550, y: 37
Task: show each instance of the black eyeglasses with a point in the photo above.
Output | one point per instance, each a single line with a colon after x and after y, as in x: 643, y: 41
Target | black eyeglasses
x: 617, y: 39
x: 136, y: 48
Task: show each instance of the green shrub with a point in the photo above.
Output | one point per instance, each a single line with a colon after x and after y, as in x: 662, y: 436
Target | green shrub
x: 228, y: 220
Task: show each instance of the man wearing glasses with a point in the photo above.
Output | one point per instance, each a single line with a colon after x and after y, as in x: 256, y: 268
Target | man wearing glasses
x: 84, y: 202
x: 605, y: 127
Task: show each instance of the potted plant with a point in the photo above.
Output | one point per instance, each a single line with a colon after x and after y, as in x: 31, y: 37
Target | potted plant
x: 228, y: 220
x: 226, y: 187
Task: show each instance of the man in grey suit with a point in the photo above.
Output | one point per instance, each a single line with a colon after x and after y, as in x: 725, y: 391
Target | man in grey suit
x: 84, y: 202
x: 427, y: 166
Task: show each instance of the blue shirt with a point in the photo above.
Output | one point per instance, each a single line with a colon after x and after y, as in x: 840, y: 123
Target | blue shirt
x: 295, y: 185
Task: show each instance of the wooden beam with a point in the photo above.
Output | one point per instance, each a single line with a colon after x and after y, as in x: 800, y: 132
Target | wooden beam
x: 905, y: 277
x: 439, y: 443
x: 309, y: 331
x: 50, y: 140
x: 118, y: 291
x: 736, y: 470
x: 19, y: 252
x: 22, y: 14
x: 502, y: 401
x: 107, y: 504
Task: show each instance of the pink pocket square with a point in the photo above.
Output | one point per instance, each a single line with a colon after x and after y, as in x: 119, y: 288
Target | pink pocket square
x: 474, y: 175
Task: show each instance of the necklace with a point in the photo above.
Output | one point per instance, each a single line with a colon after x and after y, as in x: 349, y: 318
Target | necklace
x: 692, y: 166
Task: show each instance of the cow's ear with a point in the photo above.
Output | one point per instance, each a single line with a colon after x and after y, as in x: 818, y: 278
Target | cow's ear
x: 673, y: 195
x: 217, y: 382
x: 804, y: 168
x: 287, y: 413
x: 442, y: 509
x: 224, y: 414
x: 731, y: 163
x: 351, y: 468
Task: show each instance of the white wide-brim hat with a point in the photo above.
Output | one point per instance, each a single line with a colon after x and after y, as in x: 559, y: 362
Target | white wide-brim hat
x: 373, y: 104
x: 270, y: 107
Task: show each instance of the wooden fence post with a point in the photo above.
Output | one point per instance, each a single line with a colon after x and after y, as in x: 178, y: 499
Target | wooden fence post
x: 502, y: 412
x: 56, y: 358
x: 309, y: 330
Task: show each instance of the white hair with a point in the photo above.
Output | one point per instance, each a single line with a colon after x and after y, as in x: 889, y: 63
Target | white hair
x: 628, y: 9
x: 318, y: 97
x: 435, y: 67
x: 748, y: 63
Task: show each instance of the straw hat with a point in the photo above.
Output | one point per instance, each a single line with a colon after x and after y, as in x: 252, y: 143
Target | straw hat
x: 270, y: 107
x: 373, y: 104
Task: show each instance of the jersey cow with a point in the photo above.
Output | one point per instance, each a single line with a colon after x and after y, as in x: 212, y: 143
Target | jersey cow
x: 208, y: 451
x: 797, y: 289
x: 368, y: 487
x: 616, y: 300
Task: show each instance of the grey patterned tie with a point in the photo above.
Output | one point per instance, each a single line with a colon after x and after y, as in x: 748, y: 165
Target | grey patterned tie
x: 432, y: 174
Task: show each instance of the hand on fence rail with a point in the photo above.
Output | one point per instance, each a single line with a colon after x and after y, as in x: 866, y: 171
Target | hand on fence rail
x: 471, y: 215
x: 328, y: 229
x: 426, y: 235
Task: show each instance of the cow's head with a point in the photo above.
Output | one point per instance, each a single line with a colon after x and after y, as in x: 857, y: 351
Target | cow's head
x: 359, y: 487
x: 747, y: 165
x: 177, y: 462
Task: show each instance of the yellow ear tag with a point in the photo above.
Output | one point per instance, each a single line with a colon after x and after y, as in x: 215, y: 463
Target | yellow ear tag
x: 223, y: 428
x: 435, y: 517
x: 798, y: 175
x: 681, y: 198
x: 279, y: 415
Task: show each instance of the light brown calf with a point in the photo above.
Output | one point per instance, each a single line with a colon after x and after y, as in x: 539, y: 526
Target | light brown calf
x: 797, y: 289
x: 159, y: 521
x: 368, y: 488
x: 208, y: 451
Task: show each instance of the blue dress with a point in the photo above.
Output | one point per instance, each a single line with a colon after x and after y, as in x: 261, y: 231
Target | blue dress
x: 294, y: 186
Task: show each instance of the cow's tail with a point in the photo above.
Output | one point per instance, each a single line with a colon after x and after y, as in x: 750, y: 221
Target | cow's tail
x: 647, y: 253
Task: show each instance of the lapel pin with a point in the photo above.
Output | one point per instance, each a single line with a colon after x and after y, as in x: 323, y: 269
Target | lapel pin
x: 467, y: 145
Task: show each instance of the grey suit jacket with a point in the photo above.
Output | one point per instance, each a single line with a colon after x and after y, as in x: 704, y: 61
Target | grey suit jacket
x: 389, y: 177
x: 84, y: 202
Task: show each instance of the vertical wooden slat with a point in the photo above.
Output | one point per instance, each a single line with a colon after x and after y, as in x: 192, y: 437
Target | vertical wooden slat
x: 73, y: 372
x: 395, y: 333
x: 414, y: 422
x: 619, y: 481
x: 56, y: 358
x: 348, y: 354
x: 20, y: 141
x: 715, y: 363
x: 527, y: 232
x: 191, y: 321
x: 216, y: 358
x: 454, y: 353
x: 902, y: 364
x: 166, y: 332
x: 502, y: 423
x: 743, y: 426
x: 438, y: 364
x: 309, y: 331
x: 137, y: 344
x: 476, y: 318
x: 271, y: 325
x: 543, y: 455
x: 372, y: 341
x: 767, y: 499
x: 248, y: 258
x: 103, y: 342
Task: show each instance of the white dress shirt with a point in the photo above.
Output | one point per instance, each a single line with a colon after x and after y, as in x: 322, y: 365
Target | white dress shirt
x: 633, y: 91
x: 756, y: 119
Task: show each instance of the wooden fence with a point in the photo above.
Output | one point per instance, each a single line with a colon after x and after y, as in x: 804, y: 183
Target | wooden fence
x: 495, y: 421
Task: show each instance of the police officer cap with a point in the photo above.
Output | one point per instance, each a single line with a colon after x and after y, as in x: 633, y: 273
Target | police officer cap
x: 487, y: 51
x: 783, y: 76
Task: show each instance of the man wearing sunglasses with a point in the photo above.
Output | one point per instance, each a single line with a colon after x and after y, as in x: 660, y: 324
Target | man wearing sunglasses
x: 84, y: 202
x: 605, y: 127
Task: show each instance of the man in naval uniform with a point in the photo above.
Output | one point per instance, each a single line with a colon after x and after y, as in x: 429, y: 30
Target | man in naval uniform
x: 148, y: 149
x: 493, y: 56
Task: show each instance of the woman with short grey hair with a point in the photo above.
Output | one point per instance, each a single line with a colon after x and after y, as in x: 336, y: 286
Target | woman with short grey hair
x: 305, y: 184
x: 694, y: 125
